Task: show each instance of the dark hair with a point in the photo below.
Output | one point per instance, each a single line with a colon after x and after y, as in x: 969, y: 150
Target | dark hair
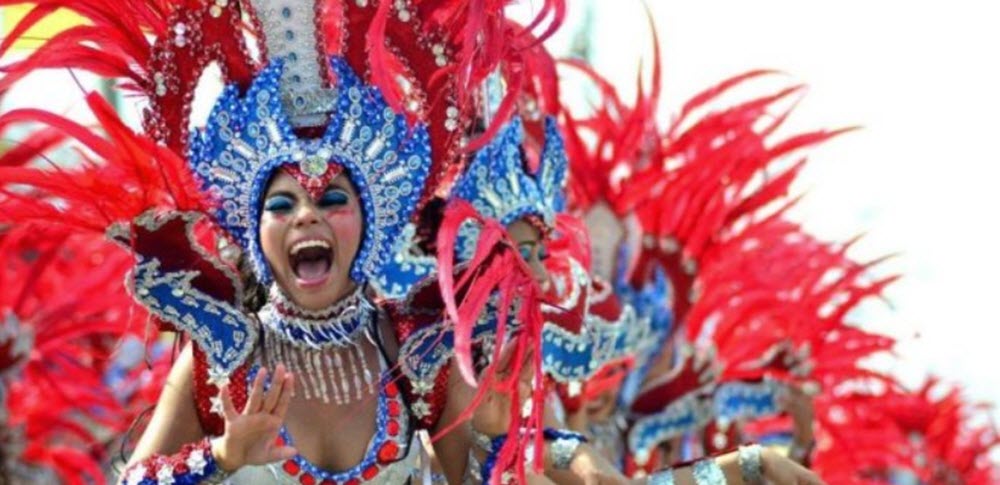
x: 254, y: 293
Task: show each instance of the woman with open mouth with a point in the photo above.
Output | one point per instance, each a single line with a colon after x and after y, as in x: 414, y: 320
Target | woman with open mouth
x: 319, y: 218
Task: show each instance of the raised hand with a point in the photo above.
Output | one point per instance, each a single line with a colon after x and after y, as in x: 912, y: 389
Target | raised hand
x: 251, y: 434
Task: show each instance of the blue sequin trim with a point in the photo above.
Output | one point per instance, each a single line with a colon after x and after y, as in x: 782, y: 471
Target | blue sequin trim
x: 574, y: 357
x: 224, y: 332
x: 249, y: 136
x: 680, y: 416
x: 498, y: 185
x: 744, y: 400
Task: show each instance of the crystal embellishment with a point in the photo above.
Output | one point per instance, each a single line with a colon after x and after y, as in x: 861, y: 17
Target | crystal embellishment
x: 250, y: 136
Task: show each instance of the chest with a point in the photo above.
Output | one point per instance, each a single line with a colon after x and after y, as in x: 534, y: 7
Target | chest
x: 334, y: 437
x: 364, y: 441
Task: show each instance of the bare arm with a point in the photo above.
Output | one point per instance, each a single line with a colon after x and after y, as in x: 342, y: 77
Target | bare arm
x: 175, y: 419
x: 175, y: 434
x: 452, y: 449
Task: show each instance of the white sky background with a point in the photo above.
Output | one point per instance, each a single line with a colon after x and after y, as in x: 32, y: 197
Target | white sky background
x: 921, y: 177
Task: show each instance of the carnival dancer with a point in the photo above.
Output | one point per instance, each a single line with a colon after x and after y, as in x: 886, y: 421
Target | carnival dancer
x: 311, y: 187
x: 312, y: 218
x: 279, y: 152
x: 503, y: 189
x: 654, y: 191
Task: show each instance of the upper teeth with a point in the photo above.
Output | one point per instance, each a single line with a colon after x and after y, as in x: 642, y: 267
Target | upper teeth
x: 312, y: 243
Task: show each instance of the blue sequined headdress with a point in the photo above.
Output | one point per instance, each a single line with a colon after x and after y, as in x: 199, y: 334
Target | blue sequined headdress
x: 498, y: 184
x: 251, y: 135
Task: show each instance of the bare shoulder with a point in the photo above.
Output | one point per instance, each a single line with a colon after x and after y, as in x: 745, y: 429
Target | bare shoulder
x: 387, y: 335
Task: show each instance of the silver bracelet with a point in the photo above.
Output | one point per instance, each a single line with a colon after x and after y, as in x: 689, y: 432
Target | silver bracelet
x: 662, y: 477
x: 750, y: 464
x: 472, y: 471
x: 562, y: 451
x: 219, y: 476
x: 707, y: 472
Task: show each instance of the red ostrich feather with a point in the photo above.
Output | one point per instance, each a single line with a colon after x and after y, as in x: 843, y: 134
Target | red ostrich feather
x: 931, y: 435
x: 711, y: 174
x: 785, y: 286
x: 854, y: 438
x: 121, y: 175
x: 950, y: 442
x: 495, y: 274
x: 63, y: 296
x: 445, y: 50
x: 625, y: 139
x: 136, y: 43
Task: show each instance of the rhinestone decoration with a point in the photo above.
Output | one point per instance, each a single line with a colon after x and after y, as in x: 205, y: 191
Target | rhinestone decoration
x: 680, y: 416
x: 250, y: 136
x: 290, y: 33
x: 572, y: 357
x: 499, y: 186
x: 383, y: 461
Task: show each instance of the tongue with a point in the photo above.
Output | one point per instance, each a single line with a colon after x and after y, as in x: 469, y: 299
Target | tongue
x: 312, y: 270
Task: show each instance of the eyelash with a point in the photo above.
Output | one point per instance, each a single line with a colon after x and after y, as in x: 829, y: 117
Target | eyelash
x: 526, y: 251
x: 278, y: 203
x: 283, y: 203
x: 332, y: 198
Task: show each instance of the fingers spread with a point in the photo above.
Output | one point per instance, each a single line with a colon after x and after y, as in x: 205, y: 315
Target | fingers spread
x: 256, y: 393
x: 277, y: 385
x: 287, y: 391
x: 228, y: 409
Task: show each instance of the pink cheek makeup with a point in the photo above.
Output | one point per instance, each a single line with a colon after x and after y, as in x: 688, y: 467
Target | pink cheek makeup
x: 342, y: 217
x: 344, y: 221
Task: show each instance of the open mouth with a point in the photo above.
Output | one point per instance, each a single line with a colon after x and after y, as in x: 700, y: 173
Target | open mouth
x: 311, y: 261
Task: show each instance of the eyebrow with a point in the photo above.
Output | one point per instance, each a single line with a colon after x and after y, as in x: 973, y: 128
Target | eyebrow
x: 285, y: 193
x: 338, y: 182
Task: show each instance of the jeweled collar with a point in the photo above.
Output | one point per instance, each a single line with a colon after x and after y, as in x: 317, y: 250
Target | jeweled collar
x: 338, y: 325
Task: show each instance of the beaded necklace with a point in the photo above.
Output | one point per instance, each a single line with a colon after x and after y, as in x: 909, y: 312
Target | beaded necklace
x: 325, y: 348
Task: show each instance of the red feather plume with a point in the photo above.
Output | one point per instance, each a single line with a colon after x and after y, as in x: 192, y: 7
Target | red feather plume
x: 120, y: 177
x: 157, y: 49
x: 497, y: 275
x: 63, y: 297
